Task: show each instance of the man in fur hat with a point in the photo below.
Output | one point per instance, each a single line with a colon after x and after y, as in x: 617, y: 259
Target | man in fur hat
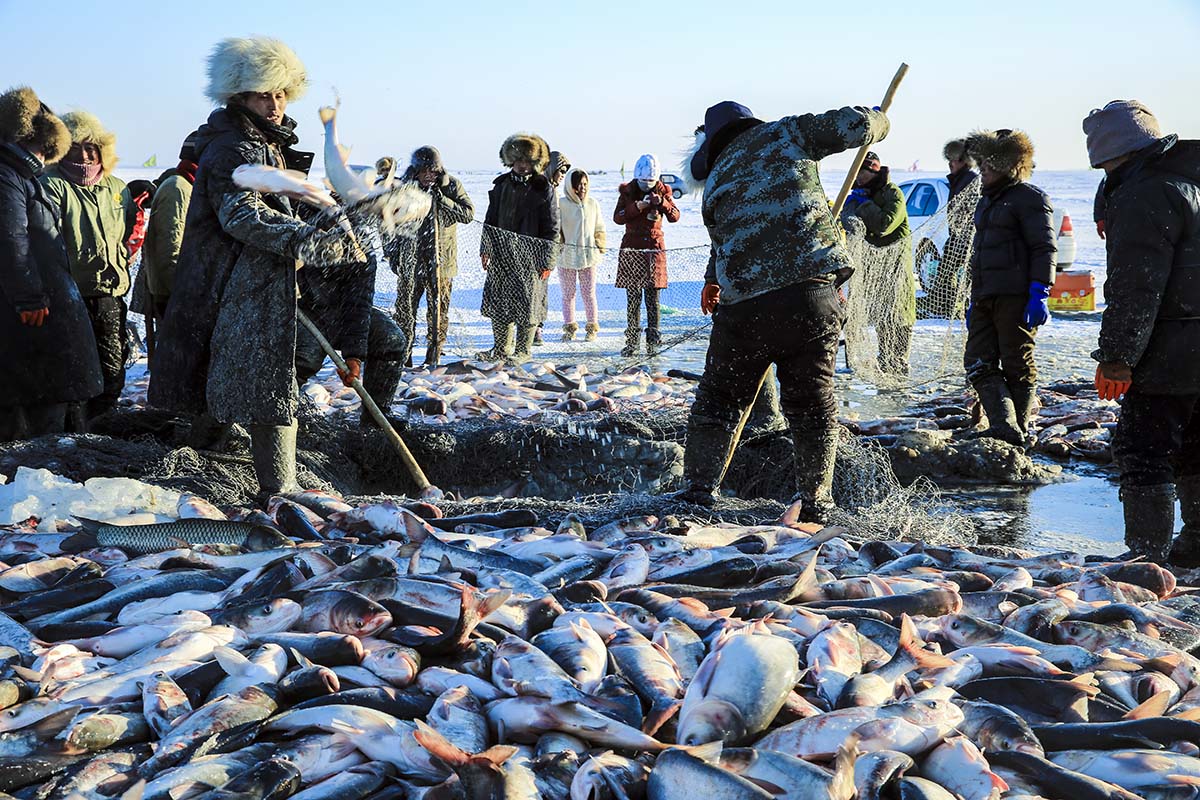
x: 97, y: 215
x: 1149, y: 348
x: 227, y: 348
x: 771, y: 285
x: 433, y: 251
x: 46, y: 338
x: 1013, y: 260
x: 517, y: 247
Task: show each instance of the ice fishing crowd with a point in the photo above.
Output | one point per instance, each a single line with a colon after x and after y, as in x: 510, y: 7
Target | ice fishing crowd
x: 223, y: 284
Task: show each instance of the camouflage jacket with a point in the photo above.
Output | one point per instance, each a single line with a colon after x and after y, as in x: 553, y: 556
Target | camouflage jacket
x: 765, y: 209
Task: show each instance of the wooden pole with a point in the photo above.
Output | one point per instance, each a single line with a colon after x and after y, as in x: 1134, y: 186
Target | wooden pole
x: 426, y: 489
x: 861, y: 155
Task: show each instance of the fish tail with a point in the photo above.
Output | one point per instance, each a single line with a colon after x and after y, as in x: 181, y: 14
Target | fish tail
x: 842, y: 785
x: 79, y: 542
x: 663, y: 709
x: 327, y: 114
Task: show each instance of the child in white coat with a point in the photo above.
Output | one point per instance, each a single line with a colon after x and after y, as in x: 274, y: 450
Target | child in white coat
x: 583, y: 239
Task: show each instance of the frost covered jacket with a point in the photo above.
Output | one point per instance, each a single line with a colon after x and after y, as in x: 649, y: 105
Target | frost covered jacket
x: 95, y: 220
x: 453, y: 206
x: 643, y: 231
x: 765, y: 209
x: 1014, y: 243
x: 1152, y: 226
x: 56, y: 363
x: 228, y: 341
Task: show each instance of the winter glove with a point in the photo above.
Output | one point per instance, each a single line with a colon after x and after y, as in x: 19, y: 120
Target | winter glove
x: 1037, y: 310
x: 710, y: 296
x: 1113, y: 380
x: 330, y: 248
x: 967, y: 316
x: 34, y: 319
x: 353, y: 371
x: 856, y: 198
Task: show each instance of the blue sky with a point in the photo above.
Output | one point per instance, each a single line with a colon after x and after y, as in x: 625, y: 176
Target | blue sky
x: 606, y: 81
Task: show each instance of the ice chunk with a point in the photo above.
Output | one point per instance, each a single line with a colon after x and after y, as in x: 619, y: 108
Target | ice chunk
x: 40, y: 493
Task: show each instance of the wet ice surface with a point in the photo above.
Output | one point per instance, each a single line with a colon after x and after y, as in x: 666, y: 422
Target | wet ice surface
x: 1083, y: 514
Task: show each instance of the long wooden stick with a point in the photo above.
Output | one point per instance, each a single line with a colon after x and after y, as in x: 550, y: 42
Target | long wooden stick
x: 861, y: 155
x: 414, y: 469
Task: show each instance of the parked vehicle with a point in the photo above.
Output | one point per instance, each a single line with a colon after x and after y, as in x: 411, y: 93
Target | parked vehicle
x: 674, y: 183
x: 924, y: 197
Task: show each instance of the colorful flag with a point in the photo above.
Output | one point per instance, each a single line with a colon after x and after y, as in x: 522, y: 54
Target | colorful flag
x: 152, y: 161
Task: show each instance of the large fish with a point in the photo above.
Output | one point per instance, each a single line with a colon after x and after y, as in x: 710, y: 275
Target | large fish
x: 142, y: 539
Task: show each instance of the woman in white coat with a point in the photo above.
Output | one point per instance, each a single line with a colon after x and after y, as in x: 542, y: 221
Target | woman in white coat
x: 583, y: 239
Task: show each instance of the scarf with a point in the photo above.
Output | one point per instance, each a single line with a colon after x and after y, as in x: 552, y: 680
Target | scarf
x: 81, y: 174
x: 282, y: 134
x: 187, y: 169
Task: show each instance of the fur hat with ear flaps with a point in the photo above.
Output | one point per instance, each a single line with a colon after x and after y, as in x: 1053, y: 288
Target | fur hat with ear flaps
x: 256, y: 64
x: 956, y: 150
x: 527, y: 146
x: 85, y: 128
x: 26, y: 121
x: 1008, y: 152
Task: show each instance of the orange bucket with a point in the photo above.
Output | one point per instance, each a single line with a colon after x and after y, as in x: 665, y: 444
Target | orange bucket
x: 1073, y: 290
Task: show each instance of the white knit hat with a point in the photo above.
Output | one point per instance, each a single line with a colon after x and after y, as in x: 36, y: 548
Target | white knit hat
x: 646, y: 168
x: 1120, y: 128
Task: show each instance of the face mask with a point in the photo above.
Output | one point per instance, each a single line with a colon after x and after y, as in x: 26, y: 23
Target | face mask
x: 520, y: 178
x: 646, y: 186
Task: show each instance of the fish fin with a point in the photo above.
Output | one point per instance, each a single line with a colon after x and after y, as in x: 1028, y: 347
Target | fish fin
x: 772, y: 788
x: 346, y: 728
x: 91, y: 526
x: 1155, y: 706
x: 439, y: 746
x: 344, y: 153
x: 791, y: 514
x: 661, y: 711
x: 488, y: 602
x: 710, y: 752
x: 1167, y: 663
x: 720, y: 612
x: 56, y: 723
x: 301, y: 659
x: 807, y: 580
x: 233, y: 662
x: 912, y: 644
x: 1183, y: 780
x: 704, y: 673
x: 327, y: 113
x: 135, y: 792
x: 1192, y: 714
x: 1086, y: 683
x: 497, y: 754
x: 27, y: 674
x: 78, y: 542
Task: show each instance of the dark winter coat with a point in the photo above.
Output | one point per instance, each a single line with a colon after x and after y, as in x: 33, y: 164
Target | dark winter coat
x: 643, y: 231
x: 1015, y: 244
x: 1152, y: 223
x: 56, y: 363
x: 453, y: 206
x: 885, y: 216
x: 517, y: 262
x: 961, y: 180
x: 229, y: 337
x: 338, y: 299
x: 766, y: 212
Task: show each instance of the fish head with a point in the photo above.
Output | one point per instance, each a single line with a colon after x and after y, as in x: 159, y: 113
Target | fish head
x: 932, y: 712
x: 270, y: 616
x: 1081, y: 634
x: 27, y: 713
x: 639, y: 619
x: 397, y: 665
x: 359, y: 616
x: 961, y: 630
x: 711, y: 720
x: 261, y: 539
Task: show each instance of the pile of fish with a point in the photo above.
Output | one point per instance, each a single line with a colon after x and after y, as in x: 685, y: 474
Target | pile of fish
x: 322, y: 650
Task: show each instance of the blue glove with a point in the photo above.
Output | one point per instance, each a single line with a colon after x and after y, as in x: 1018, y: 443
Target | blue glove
x: 856, y: 198
x: 1037, y: 310
x: 967, y: 316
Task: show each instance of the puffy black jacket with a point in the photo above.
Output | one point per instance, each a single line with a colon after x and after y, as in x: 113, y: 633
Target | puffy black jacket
x: 1015, y: 242
x: 58, y: 362
x: 1152, y: 224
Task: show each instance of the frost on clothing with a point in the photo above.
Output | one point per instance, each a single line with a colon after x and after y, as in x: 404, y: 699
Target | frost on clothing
x: 765, y: 209
x: 517, y: 261
x: 230, y: 330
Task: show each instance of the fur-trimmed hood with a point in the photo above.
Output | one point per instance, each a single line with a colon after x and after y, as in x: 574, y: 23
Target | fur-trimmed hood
x: 25, y: 120
x: 527, y: 146
x: 956, y: 150
x: 255, y: 64
x: 1006, y: 151
x: 84, y: 127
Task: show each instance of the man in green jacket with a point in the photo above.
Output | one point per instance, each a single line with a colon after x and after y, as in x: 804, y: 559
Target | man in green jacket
x: 164, y: 229
x: 97, y: 215
x: 892, y: 309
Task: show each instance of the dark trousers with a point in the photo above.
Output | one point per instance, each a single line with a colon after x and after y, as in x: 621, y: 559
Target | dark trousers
x: 108, y: 316
x: 26, y: 422
x: 438, y: 335
x: 633, y: 314
x: 384, y: 364
x: 1158, y: 438
x: 797, y: 329
x: 998, y: 343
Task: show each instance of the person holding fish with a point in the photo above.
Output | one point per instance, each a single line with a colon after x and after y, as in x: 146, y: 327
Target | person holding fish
x: 519, y: 213
x: 227, y: 347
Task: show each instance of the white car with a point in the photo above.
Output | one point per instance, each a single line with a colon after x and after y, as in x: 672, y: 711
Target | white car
x: 924, y: 197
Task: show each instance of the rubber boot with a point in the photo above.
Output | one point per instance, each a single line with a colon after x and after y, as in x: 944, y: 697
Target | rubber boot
x: 633, y: 337
x: 569, y: 331
x: 705, y: 459
x: 816, y: 455
x: 381, y: 377
x: 1024, y: 401
x: 273, y: 451
x: 206, y: 433
x: 653, y: 341
x: 997, y: 403
x: 1149, y: 520
x: 524, y: 352
x: 590, y: 332
x: 502, y: 343
x: 1185, y: 551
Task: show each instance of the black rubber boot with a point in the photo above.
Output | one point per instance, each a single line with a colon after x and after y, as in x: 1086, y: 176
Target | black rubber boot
x: 633, y: 337
x: 1149, y: 520
x: 502, y: 343
x: 381, y: 377
x: 273, y: 450
x: 1024, y: 401
x: 206, y: 433
x: 816, y: 455
x: 997, y: 403
x: 525, y: 341
x: 705, y: 459
x: 1185, y: 550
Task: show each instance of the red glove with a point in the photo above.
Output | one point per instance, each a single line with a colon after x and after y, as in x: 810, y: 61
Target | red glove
x: 1113, y: 380
x: 1100, y: 228
x: 34, y: 319
x: 352, y: 373
x: 545, y: 274
x: 710, y: 296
